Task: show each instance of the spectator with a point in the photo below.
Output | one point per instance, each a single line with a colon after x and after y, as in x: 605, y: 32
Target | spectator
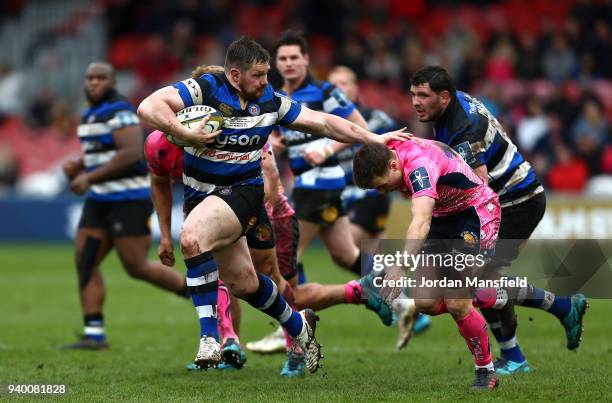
x: 590, y: 134
x: 533, y: 126
x: 559, y: 59
x: 569, y: 174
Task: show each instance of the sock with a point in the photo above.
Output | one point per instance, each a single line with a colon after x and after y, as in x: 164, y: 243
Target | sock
x: 94, y: 326
x: 535, y: 297
x: 356, y: 267
x: 269, y: 301
x: 203, y: 284
x: 508, y: 345
x: 352, y: 292
x: 224, y: 314
x: 495, y: 298
x: 473, y: 328
x: 301, y: 274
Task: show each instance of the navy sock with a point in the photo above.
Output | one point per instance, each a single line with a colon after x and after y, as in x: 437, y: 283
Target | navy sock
x: 94, y: 326
x: 539, y: 298
x: 508, y: 345
x: 268, y: 300
x: 203, y: 284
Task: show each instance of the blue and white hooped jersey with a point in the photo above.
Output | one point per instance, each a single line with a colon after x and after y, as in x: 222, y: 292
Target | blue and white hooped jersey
x: 469, y: 128
x: 234, y: 159
x: 95, y: 133
x: 319, y: 96
x: 378, y: 122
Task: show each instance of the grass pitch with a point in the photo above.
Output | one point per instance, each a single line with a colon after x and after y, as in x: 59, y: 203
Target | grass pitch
x: 154, y: 334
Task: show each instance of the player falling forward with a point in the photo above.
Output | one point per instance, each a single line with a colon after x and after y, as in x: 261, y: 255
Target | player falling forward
x: 225, y: 197
x: 368, y: 209
x: 464, y: 124
x: 448, y: 201
x: 117, y: 208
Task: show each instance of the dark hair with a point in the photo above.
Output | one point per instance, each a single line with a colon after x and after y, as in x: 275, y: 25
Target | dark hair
x: 290, y: 37
x: 244, y: 52
x: 371, y: 161
x: 437, y: 77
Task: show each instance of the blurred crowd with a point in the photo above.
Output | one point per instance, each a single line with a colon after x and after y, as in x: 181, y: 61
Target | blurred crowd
x: 544, y: 68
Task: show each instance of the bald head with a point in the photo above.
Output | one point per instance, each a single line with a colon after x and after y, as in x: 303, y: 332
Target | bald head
x: 99, y: 81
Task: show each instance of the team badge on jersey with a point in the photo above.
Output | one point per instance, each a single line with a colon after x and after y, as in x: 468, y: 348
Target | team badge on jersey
x: 254, y: 109
x: 465, y: 151
x: 419, y: 179
x: 264, y: 233
x: 226, y: 109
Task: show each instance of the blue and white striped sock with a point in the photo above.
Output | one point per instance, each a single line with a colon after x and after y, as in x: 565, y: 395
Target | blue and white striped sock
x: 268, y: 300
x: 94, y: 327
x: 203, y: 283
x: 509, y: 346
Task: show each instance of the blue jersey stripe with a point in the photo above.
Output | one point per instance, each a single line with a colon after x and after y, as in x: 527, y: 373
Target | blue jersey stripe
x: 106, y: 139
x: 184, y: 93
x: 529, y: 179
x: 321, y: 183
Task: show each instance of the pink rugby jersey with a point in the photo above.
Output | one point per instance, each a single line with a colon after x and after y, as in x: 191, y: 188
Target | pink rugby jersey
x: 433, y: 169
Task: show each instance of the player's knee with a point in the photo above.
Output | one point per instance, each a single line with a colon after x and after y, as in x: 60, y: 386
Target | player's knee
x: 428, y: 306
x: 264, y: 263
x: 458, y: 307
x: 190, y: 245
x: 136, y: 270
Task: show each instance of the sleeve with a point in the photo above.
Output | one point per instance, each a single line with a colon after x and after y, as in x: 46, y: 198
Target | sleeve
x: 472, y: 144
x: 288, y: 109
x: 421, y: 177
x: 193, y: 91
x: 123, y: 117
x: 336, y: 102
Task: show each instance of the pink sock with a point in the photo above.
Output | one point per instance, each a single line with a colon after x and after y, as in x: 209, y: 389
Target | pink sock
x: 224, y: 314
x: 352, y: 292
x: 485, y: 298
x: 474, y: 330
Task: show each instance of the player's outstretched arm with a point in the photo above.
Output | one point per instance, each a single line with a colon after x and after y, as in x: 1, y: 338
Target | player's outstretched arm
x: 334, y: 127
x: 161, y: 194
x: 158, y: 110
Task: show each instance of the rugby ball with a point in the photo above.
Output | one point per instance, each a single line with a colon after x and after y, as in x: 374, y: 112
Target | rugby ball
x: 192, y: 116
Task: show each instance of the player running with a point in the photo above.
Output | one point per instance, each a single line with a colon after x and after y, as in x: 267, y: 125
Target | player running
x: 224, y: 197
x: 467, y: 126
x: 113, y: 175
x: 449, y: 201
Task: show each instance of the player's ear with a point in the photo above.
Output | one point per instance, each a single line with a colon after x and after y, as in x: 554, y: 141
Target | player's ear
x: 307, y: 59
x: 445, y: 96
x: 235, y: 74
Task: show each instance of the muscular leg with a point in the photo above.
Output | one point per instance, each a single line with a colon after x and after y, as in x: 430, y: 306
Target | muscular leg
x: 338, y: 241
x: 132, y: 251
x: 359, y: 234
x: 319, y: 296
x: 308, y: 231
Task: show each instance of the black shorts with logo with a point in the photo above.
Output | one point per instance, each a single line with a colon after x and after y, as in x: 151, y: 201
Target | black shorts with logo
x: 247, y: 202
x: 261, y: 236
x: 119, y: 218
x: 370, y: 212
x: 322, y: 207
